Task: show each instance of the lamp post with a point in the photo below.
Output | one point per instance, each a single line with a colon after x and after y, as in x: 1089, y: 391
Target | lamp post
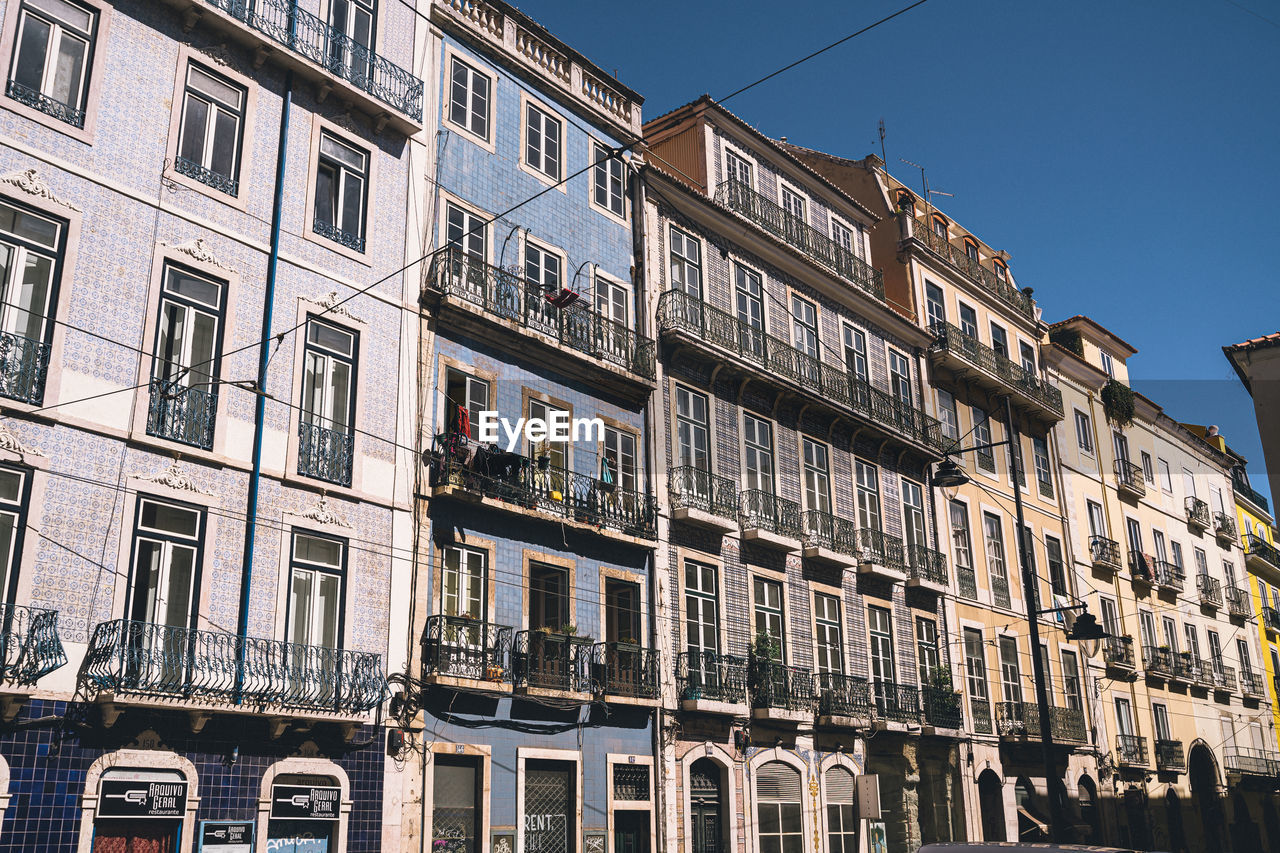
x: 950, y: 477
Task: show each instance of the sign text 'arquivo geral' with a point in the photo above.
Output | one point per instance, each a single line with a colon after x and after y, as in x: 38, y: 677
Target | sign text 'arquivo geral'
x: 305, y: 802
x: 141, y: 798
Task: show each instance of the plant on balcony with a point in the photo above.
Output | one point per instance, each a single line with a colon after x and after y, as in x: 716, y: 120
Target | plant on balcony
x: 1068, y: 339
x: 765, y: 647
x: 940, y: 679
x: 1117, y: 403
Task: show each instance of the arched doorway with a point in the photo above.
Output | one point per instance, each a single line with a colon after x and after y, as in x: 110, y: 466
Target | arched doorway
x: 1244, y: 829
x: 842, y: 812
x: 991, y: 803
x: 706, y: 807
x: 1031, y: 822
x: 1173, y: 818
x: 1087, y: 792
x: 1271, y: 821
x: 1135, y: 812
x: 1203, y: 773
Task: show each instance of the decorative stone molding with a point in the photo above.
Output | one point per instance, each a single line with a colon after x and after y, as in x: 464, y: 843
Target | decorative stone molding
x: 218, y: 54
x: 175, y: 478
x: 9, y: 441
x: 321, y: 513
x: 30, y: 182
x: 197, y: 250
x: 332, y: 305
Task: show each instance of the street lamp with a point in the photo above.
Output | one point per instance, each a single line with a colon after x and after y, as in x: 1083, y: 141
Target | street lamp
x: 949, y: 477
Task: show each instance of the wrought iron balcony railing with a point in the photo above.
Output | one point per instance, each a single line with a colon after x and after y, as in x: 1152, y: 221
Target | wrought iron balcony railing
x: 45, y: 104
x: 973, y: 269
x: 1169, y: 576
x: 941, y: 707
x: 1202, y: 672
x: 881, y: 549
x: 625, y: 669
x: 824, y: 530
x: 181, y: 414
x: 128, y: 657
x: 967, y: 582
x: 1271, y: 619
x: 1158, y: 660
x: 841, y: 695
x: 1000, y: 591
x: 693, y: 488
x: 508, y: 296
x: 980, y: 711
x: 296, y: 29
x: 218, y: 181
x: 926, y: 564
x: 325, y: 454
x: 1246, y: 491
x: 1261, y: 549
x: 1129, y: 477
x: 712, y: 676
x: 329, y: 231
x: 1131, y: 751
x: 833, y: 384
x: 24, y: 363
x: 460, y: 647
x: 1142, y: 567
x: 777, y: 685
x: 1224, y: 677
x: 1197, y: 513
x: 552, y: 661
x: 1251, y: 683
x: 547, y: 488
x: 763, y: 510
x: 1224, y: 526
x: 1117, y: 651
x: 802, y: 236
x: 1046, y: 488
x: 1251, y: 762
x: 1104, y: 552
x: 1016, y: 719
x: 899, y: 703
x: 29, y: 644
x: 1185, y: 667
x: 949, y: 338
x: 1210, y: 589
x: 1237, y: 601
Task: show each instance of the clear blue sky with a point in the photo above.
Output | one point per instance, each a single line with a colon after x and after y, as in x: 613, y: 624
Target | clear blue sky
x: 1126, y: 154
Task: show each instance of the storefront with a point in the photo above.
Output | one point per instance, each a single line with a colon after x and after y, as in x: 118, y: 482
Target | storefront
x: 304, y: 816
x: 140, y: 811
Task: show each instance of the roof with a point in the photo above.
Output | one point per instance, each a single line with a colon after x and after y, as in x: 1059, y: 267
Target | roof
x: 708, y: 102
x: 1264, y: 342
x: 1081, y: 319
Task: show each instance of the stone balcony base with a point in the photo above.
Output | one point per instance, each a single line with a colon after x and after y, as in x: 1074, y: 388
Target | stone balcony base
x: 783, y: 716
x: 200, y: 711
x: 768, y: 539
x: 702, y: 518
x: 828, y: 556
x: 712, y: 706
x: 437, y: 679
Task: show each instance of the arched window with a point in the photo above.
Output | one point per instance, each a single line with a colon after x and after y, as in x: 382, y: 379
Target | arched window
x: 971, y: 248
x: 778, y: 808
x: 842, y: 818
x: 940, y: 227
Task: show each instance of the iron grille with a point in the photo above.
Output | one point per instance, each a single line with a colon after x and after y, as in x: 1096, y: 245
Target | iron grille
x: 547, y: 798
x: 631, y: 782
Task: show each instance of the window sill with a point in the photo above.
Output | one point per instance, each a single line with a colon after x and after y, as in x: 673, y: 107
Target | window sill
x: 310, y: 234
x: 80, y: 134
x: 173, y: 176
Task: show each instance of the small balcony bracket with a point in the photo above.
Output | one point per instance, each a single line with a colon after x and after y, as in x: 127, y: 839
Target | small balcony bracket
x: 349, y: 731
x: 322, y: 91
x: 11, y: 706
x: 110, y: 713
x: 198, y: 719
x: 260, y: 56
x: 277, y: 726
x: 191, y: 17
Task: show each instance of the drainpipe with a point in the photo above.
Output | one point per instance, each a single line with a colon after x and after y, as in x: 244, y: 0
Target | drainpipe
x: 260, y: 398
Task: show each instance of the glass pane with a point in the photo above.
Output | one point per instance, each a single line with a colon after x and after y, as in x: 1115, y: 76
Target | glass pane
x: 203, y: 341
x: 226, y: 130
x: 194, y: 288
x: 69, y: 72
x: 339, y: 397
x: 331, y: 337
x: 326, y: 194
x: 8, y: 534
x: 31, y: 300
x: 352, y: 204
x: 301, y: 593
x: 10, y: 485
x: 311, y: 390
x: 28, y: 70
x: 67, y: 13
x: 344, y: 154
x: 172, y: 339
x: 313, y: 549
x: 181, y: 568
x: 146, y: 580
x: 169, y: 518
x: 326, y: 614
x: 215, y: 88
x: 194, y: 123
x: 37, y: 229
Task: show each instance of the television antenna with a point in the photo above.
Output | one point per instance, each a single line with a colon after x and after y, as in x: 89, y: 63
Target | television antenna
x: 924, y: 184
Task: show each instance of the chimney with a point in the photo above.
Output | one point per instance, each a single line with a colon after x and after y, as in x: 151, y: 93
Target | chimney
x: 1212, y: 431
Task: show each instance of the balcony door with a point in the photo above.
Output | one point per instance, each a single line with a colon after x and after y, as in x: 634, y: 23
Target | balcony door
x: 185, y: 365
x: 767, y: 599
x: 1010, y: 677
x: 757, y: 454
x: 464, y: 580
x: 1124, y: 717
x: 328, y: 402
x: 702, y: 623
x: 913, y: 515
x: 166, y: 559
x: 817, y: 479
x: 14, y: 493
x: 804, y: 333
x: 883, y: 668
x: 1147, y: 627
x: 29, y: 247
x: 749, y: 303
x: 868, y: 487
x: 826, y: 619
x: 693, y: 430
x: 621, y: 612
x: 351, y: 33
x: 315, y: 590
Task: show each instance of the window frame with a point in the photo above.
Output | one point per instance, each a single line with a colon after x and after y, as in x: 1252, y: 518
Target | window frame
x: 341, y: 572
x: 1084, y: 432
x: 685, y: 262
x: 365, y: 255
x: 754, y: 448
x: 753, y: 167
x: 624, y: 216
x: 188, y: 56
x: 473, y: 64
x: 21, y: 510
x: 529, y: 106
x: 198, y: 543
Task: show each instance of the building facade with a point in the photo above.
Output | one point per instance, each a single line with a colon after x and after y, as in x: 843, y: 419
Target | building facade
x: 203, y: 487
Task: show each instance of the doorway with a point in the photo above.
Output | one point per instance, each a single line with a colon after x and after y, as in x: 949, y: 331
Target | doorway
x: 705, y: 807
x: 630, y: 832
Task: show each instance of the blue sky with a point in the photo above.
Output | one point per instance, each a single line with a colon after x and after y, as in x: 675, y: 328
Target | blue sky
x: 1125, y: 152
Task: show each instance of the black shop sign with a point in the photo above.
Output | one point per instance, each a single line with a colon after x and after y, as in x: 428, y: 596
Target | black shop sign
x: 141, y: 798
x: 305, y: 802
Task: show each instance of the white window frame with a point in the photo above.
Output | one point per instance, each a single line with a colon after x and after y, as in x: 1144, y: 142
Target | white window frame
x: 529, y: 107
x: 487, y: 139
x: 597, y: 149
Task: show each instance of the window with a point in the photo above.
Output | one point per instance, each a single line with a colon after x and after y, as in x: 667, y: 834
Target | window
x: 1202, y: 561
x: 1193, y: 641
x: 184, y: 368
x: 817, y: 480
x: 328, y: 402
x: 868, y: 485
x: 1108, y: 365
x: 913, y: 516
x: 778, y: 807
x: 794, y: 203
x: 804, y: 326
x: 1124, y: 723
x: 1084, y: 432
x: 14, y: 495
x: 855, y: 352
x: 842, y: 815
x: 999, y: 340
x: 767, y: 597
x: 543, y: 272
x: 167, y: 544
x: 613, y: 301
x: 1010, y: 678
x: 1097, y: 521
x: 935, y: 308
x: 30, y: 264
x: 975, y: 665
x: 982, y: 436
x: 961, y: 545
x: 757, y: 441
x: 622, y: 611
x: 826, y: 619
x: 212, y: 121
x: 620, y: 456
x: 1160, y: 715
x: 1057, y: 569
x: 1166, y: 478
x: 994, y: 538
x: 51, y: 57
x: 1120, y: 444
x: 469, y: 99
x: 1177, y: 555
x: 1189, y: 483
x: 1170, y: 628
x: 749, y: 301
x: 1147, y: 628
x: 542, y: 141
x: 970, y: 249
x: 927, y: 644
x: 466, y: 397
x: 1148, y: 471
x: 1027, y: 355
x: 947, y: 415
x: 456, y: 820
x: 940, y: 227
x: 1002, y: 271
x: 968, y: 321
x: 686, y: 264
x: 548, y: 597
x: 1110, y: 616
x: 900, y: 378
x: 465, y: 233
x: 315, y: 590
x: 737, y: 169
x: 342, y: 181
x: 1044, y: 474
x: 842, y: 236
x: 609, y: 182
x: 350, y: 48
x: 1242, y: 653
x: 701, y: 609
x: 880, y: 626
x: 1228, y: 574
x: 692, y: 429
x: 558, y: 451
x: 464, y: 577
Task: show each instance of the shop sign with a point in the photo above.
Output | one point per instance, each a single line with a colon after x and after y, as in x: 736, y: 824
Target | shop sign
x: 305, y: 802
x: 226, y: 836
x: 141, y: 798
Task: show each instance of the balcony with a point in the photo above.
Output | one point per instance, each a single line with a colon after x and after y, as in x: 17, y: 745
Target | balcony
x: 1202, y: 674
x: 1129, y: 479
x: 24, y: 363
x: 324, y: 55
x: 972, y: 269
x: 1105, y: 553
x: 1224, y: 529
x: 967, y: 356
x: 1261, y: 554
x: 459, y: 651
x: 967, y: 582
x: 780, y: 693
x: 216, y: 180
x: 801, y: 236
x: 45, y: 104
x: 488, y: 298
x: 1142, y: 567
x: 535, y: 487
x: 1184, y: 668
x: 1237, y: 602
x: 1224, y: 677
x: 712, y: 683
x: 1197, y: 514
x: 1000, y: 592
x: 1157, y: 661
x: 1251, y: 683
x: 1131, y: 751
x: 29, y: 645
x: 1117, y: 652
x: 547, y: 663
x: 829, y: 539
x: 626, y: 672
x: 1243, y: 490
x: 1018, y: 720
x: 1271, y: 619
x: 844, y: 701
x: 703, y: 499
x: 980, y: 711
x: 897, y: 706
x: 1169, y: 576
x: 926, y: 569
x: 184, y: 415
x: 1210, y: 589
x: 772, y: 360
x: 881, y: 555
x: 769, y: 520
x: 325, y: 454
x: 941, y: 708
x: 1251, y: 762
x: 140, y: 663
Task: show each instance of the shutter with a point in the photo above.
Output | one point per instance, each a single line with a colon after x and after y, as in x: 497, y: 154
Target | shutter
x: 778, y: 782
x: 839, y: 786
